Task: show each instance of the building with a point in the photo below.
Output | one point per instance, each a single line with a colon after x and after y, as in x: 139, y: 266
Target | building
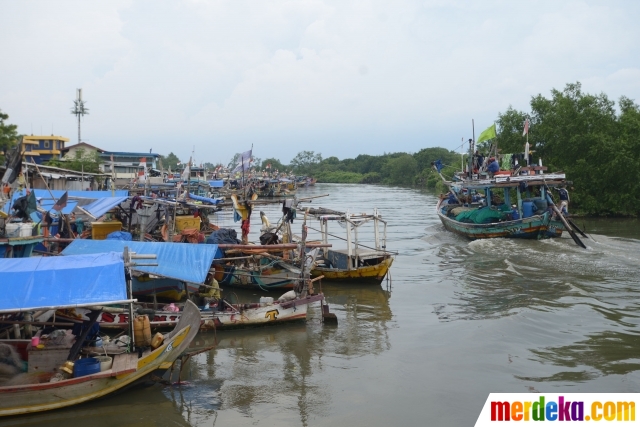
x: 69, y: 153
x: 126, y: 165
x: 43, y: 148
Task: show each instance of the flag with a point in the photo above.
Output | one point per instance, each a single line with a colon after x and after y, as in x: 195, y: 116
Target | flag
x: 32, y: 205
x: 186, y: 174
x: 526, y: 127
x: 487, y: 134
x: 62, y: 202
x: 245, y: 162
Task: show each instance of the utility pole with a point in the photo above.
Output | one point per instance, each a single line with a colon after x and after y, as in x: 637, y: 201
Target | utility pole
x: 79, y: 109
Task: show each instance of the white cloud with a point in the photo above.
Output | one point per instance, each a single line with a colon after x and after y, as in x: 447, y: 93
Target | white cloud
x: 338, y: 77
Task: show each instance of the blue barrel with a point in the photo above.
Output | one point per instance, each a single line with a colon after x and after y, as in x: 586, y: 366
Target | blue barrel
x: 87, y: 366
x: 515, y: 214
x: 527, y: 209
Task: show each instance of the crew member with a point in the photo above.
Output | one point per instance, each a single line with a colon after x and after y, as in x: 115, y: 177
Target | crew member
x: 564, y: 200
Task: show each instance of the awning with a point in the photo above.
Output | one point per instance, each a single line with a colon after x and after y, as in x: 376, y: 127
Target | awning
x: 188, y: 262
x: 101, y: 206
x: 61, y: 282
x: 205, y: 199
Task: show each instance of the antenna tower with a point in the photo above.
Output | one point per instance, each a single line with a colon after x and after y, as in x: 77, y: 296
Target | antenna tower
x: 79, y: 109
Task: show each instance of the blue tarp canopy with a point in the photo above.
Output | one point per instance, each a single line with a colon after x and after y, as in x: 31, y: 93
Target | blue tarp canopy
x: 101, y: 206
x: 216, y: 184
x: 62, y: 282
x: 47, y: 202
x: 205, y: 199
x: 188, y: 262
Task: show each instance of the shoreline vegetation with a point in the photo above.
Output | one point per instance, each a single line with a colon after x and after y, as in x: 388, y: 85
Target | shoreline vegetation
x: 590, y: 138
x: 595, y: 141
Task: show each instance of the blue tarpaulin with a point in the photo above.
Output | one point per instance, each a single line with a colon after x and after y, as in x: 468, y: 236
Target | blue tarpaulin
x: 101, y: 206
x: 181, y: 261
x: 205, y: 199
x: 61, y: 282
x: 47, y: 202
x: 216, y: 184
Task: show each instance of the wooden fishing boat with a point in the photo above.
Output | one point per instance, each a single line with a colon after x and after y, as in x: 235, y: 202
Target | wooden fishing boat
x: 70, y: 282
x: 357, y: 262
x: 258, y: 273
x: 223, y: 316
x: 479, y: 205
x: 181, y: 269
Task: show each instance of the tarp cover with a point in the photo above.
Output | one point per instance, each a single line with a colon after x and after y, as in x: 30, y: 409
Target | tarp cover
x: 80, y: 280
x: 44, y: 203
x: 216, y: 184
x: 181, y: 261
x: 205, y: 199
x: 101, y: 206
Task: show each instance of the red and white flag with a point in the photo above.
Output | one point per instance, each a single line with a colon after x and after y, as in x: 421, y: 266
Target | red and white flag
x: 526, y: 127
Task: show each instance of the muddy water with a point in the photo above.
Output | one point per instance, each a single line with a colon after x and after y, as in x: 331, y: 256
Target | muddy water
x: 457, y: 320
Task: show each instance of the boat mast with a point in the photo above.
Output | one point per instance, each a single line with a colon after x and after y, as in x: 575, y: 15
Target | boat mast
x: 471, y: 143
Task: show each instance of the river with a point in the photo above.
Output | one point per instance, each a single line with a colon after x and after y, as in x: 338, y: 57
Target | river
x: 457, y: 321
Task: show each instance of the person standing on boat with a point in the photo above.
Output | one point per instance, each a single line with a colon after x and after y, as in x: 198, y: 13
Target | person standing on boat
x: 564, y: 200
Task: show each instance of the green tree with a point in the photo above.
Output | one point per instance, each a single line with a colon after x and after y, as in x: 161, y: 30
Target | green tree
x: 170, y: 161
x: 306, y: 162
x: 8, y: 136
x: 276, y: 165
x: 401, y: 170
x: 82, y: 161
x: 510, y: 127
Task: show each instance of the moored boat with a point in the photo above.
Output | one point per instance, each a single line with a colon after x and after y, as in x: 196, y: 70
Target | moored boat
x: 357, y: 262
x: 90, y: 281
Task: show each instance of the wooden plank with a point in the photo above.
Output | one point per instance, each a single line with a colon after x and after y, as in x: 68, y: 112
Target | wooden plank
x: 124, y: 363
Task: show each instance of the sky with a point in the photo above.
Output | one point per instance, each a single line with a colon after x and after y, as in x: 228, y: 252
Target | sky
x: 340, y: 78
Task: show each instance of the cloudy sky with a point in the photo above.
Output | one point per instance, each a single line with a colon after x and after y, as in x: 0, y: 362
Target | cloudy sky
x: 337, y: 77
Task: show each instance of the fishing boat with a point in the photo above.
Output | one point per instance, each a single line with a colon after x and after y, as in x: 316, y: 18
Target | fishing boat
x: 513, y: 203
x: 181, y: 267
x: 55, y: 376
x: 357, y: 262
x: 225, y: 315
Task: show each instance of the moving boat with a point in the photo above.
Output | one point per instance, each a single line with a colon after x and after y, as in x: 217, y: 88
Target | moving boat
x: 479, y: 204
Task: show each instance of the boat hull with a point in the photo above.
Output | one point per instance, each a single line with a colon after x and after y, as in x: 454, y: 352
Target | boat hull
x: 241, y: 316
x: 369, y: 274
x: 535, y: 227
x: 30, y: 398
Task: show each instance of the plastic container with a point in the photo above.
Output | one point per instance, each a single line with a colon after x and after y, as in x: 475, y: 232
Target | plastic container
x: 105, y: 362
x: 142, y: 331
x: 12, y: 229
x: 527, y: 209
x: 515, y: 214
x: 88, y: 366
x: 187, y: 221
x: 266, y: 301
x: 100, y: 230
x: 541, y: 204
x: 157, y: 340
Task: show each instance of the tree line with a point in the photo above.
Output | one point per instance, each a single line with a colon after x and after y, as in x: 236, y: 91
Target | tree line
x: 595, y: 141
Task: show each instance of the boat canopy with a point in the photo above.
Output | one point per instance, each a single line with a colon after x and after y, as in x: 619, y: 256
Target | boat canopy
x: 205, y: 199
x: 62, y: 282
x: 187, y: 262
x: 101, y: 206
